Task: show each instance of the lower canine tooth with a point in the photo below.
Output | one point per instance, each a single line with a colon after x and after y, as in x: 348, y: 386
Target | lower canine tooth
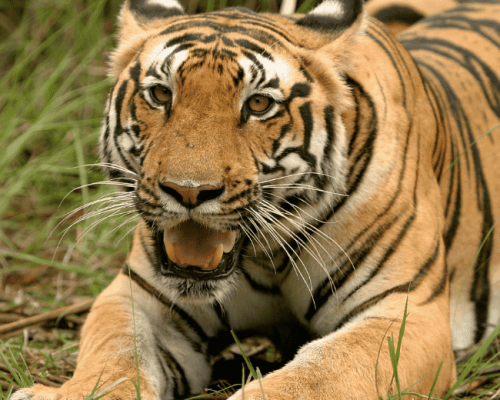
x: 215, y: 261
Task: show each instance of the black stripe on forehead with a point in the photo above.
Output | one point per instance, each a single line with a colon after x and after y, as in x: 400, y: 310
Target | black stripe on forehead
x: 190, y: 40
x: 236, y: 14
x: 152, y: 72
x: 221, y: 54
x: 257, y: 64
x: 198, y: 37
x: 188, y: 37
x: 261, y: 32
x: 255, y: 48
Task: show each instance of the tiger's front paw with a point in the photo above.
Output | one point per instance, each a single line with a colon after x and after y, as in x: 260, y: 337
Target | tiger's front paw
x: 72, y: 392
x: 37, y: 392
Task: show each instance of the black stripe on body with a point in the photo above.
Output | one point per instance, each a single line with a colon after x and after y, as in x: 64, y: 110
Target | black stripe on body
x: 181, y: 385
x: 270, y: 290
x: 403, y: 14
x: 444, y: 140
x: 409, y: 286
x: 378, y: 34
x: 488, y: 81
x: 456, y: 20
x: 453, y: 203
x: 323, y: 291
x: 360, y: 148
x: 183, y: 315
x: 439, y: 287
x: 222, y: 314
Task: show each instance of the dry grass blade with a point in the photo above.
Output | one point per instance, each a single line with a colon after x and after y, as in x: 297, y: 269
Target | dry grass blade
x: 50, y: 315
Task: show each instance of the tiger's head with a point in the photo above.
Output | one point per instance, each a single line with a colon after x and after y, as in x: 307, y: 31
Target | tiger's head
x: 229, y: 124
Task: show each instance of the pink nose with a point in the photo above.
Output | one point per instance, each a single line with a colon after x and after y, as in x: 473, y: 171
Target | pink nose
x: 191, y: 197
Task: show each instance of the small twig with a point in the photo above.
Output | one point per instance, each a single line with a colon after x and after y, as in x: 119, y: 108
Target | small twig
x: 46, y: 382
x: 57, y: 379
x: 6, y: 318
x: 488, y: 371
x: 50, y: 315
x: 15, y: 332
x: 7, y: 385
x: 253, y: 352
x: 495, y: 396
x: 469, y: 387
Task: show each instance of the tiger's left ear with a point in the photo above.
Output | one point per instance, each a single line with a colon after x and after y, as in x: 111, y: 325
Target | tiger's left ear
x: 338, y: 23
x: 137, y: 18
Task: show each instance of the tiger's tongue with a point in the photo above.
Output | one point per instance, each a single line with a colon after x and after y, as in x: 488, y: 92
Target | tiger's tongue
x: 191, y: 244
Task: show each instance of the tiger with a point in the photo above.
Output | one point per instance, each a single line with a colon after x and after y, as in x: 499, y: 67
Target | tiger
x: 309, y: 178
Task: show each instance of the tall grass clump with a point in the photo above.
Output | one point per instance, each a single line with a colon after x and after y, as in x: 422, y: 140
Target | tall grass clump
x: 54, y: 83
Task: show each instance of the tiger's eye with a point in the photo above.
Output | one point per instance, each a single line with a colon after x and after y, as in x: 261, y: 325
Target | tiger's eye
x: 161, y: 94
x: 259, y: 103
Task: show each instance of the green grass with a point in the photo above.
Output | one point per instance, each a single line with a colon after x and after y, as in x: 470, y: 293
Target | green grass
x: 53, y: 89
x: 54, y: 84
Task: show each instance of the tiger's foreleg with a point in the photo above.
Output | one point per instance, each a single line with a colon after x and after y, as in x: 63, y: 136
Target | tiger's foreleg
x: 128, y: 328
x: 354, y: 361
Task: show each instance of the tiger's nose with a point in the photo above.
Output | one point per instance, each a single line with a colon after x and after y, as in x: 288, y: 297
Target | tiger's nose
x: 191, y: 197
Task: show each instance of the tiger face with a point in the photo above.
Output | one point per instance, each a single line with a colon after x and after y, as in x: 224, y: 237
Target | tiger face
x: 231, y: 146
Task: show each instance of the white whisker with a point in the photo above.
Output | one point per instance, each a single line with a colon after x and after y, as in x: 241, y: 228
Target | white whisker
x: 110, y: 166
x: 283, y: 244
x: 261, y: 244
x: 296, y: 174
x: 312, y: 228
x: 315, y: 254
x: 301, y: 186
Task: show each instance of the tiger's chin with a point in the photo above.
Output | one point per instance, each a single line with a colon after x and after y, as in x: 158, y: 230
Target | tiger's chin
x: 215, y: 272
x: 198, y: 292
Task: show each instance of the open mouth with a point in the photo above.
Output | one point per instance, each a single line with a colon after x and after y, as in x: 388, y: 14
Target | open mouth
x: 193, y: 251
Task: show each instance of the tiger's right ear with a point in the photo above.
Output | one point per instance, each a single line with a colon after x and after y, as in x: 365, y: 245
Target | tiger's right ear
x: 136, y: 19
